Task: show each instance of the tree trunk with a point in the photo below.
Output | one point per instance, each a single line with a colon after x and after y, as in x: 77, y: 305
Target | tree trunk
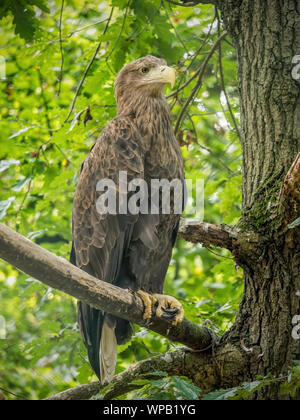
x: 266, y: 34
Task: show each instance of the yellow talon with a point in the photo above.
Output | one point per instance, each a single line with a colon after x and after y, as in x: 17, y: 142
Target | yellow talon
x: 162, y: 304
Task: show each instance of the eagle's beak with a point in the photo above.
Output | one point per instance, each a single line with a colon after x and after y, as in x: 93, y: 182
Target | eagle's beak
x: 167, y: 75
x: 162, y: 74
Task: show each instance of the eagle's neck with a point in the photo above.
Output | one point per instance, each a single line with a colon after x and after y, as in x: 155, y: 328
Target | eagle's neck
x: 152, y: 118
x: 151, y: 115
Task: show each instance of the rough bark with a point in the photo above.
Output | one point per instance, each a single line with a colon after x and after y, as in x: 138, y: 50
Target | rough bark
x: 208, y: 234
x: 266, y: 34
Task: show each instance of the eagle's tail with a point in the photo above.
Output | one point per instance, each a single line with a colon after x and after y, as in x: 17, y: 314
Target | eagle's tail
x: 98, y: 331
x: 101, y: 333
x: 108, y: 350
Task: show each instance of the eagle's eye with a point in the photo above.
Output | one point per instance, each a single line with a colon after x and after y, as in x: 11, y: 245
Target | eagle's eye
x: 145, y: 70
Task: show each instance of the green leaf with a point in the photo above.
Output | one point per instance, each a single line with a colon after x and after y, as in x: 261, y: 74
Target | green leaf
x: 5, y: 164
x: 221, y: 395
x: 23, y: 130
x: 296, y: 223
x: 4, y: 206
x: 186, y: 389
x: 23, y: 19
x: 20, y: 184
x: 140, y: 382
x: 41, y: 4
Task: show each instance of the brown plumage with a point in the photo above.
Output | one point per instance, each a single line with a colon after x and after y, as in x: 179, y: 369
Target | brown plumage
x: 130, y: 251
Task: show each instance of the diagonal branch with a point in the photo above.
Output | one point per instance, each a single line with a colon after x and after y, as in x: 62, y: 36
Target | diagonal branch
x: 61, y: 275
x: 199, y: 81
x: 171, y: 362
x: 208, y: 371
x: 208, y: 234
x: 91, y: 62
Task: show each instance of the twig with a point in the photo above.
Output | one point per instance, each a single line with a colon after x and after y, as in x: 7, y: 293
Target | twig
x: 199, y: 81
x: 134, y: 34
x: 15, y: 395
x: 195, y: 3
x: 120, y: 33
x: 225, y: 91
x: 174, y: 29
x: 88, y: 68
x: 219, y: 255
x: 196, y: 54
x: 61, y: 48
x: 48, y: 121
x: 185, y: 84
x: 86, y: 27
x: 207, y: 149
x: 53, y: 41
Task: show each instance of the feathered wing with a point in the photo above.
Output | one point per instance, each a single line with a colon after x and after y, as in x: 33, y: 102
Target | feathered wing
x: 101, y: 241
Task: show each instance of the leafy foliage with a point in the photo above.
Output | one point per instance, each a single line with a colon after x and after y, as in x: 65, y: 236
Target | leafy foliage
x: 158, y: 386
x: 292, y: 385
x: 167, y: 388
x: 41, y: 155
x: 24, y: 15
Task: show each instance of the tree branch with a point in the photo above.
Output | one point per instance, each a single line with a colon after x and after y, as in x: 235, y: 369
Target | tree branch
x: 91, y: 62
x: 58, y: 273
x: 61, y: 48
x: 185, y: 3
x: 208, y: 234
x: 222, y: 369
x: 171, y: 362
x: 199, y: 81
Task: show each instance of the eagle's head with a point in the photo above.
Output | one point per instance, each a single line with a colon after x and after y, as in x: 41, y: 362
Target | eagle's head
x: 143, y: 77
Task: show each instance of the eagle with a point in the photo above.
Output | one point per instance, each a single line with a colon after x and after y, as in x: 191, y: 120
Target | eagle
x: 130, y: 249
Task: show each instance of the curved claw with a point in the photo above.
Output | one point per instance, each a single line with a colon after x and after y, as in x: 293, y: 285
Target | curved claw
x: 166, y: 307
x: 168, y: 316
x: 171, y: 311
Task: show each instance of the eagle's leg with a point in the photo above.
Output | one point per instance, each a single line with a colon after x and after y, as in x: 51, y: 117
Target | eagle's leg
x: 164, y: 306
x: 148, y: 301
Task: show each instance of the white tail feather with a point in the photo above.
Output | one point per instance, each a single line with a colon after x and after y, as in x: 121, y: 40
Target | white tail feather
x: 108, y: 353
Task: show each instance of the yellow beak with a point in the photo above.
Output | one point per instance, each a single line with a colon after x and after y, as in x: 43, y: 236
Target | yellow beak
x: 168, y: 75
x: 162, y: 74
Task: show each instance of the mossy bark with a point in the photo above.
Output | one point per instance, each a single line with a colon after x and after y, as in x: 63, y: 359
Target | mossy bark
x: 266, y: 34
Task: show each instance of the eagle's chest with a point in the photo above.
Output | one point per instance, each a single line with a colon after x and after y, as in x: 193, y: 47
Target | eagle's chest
x: 164, y: 159
x: 164, y: 174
